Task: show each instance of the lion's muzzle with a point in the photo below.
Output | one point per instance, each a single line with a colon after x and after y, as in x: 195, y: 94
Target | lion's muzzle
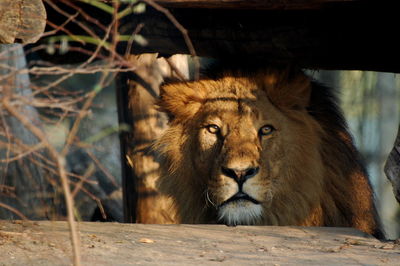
x: 238, y: 197
x: 240, y: 175
x: 240, y: 208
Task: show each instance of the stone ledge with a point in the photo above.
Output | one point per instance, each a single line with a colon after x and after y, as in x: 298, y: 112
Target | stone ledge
x: 47, y: 243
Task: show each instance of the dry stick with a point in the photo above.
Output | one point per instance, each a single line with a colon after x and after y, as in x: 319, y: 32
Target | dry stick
x: 130, y: 41
x: 85, y: 15
x: 81, y: 115
x: 8, y: 191
x: 8, y: 145
x: 102, y: 168
x: 58, y: 28
x: 57, y: 46
x: 91, y: 95
x: 17, y: 212
x: 175, y: 69
x: 88, y: 173
x: 115, y: 34
x: 67, y: 15
x: 92, y: 57
x: 97, y: 200
x: 51, y: 170
x: 184, y: 32
x: 22, y: 154
x: 61, y: 166
x: 57, y: 70
x: 81, y: 179
x: 106, y: 29
x: 47, y: 164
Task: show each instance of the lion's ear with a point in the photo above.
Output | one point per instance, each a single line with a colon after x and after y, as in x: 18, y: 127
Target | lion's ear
x: 181, y: 100
x: 289, y: 91
x: 300, y: 92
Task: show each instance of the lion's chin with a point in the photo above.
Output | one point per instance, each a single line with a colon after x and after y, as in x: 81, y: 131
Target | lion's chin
x: 240, y: 212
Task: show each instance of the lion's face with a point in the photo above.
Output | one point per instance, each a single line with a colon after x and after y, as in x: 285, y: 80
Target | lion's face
x: 243, y: 147
x: 242, y: 142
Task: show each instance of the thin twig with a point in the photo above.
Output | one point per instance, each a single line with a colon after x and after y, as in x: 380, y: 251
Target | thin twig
x: 8, y: 136
x: 102, y: 168
x: 90, y: 98
x: 178, y: 73
x: 17, y: 212
x: 22, y: 154
x: 184, y: 32
x: 67, y: 15
x: 81, y: 115
x: 85, y: 15
x: 88, y: 173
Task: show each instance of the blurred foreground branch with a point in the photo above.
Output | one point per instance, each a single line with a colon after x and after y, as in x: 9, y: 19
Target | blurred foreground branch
x: 49, y: 168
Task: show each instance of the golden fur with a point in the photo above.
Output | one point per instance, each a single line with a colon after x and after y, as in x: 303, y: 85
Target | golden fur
x: 286, y: 129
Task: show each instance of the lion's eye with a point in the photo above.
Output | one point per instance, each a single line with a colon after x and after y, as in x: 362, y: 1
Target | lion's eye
x: 213, y: 129
x: 266, y: 130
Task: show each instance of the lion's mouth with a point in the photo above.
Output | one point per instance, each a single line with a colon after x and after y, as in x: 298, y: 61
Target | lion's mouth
x: 240, y: 196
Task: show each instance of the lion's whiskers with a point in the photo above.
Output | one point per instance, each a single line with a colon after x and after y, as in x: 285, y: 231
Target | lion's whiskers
x: 208, y: 200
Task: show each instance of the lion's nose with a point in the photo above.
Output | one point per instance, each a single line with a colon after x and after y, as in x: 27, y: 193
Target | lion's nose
x: 240, y: 175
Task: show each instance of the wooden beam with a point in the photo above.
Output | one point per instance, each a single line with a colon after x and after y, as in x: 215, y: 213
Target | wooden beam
x: 250, y: 4
x: 129, y: 180
x: 344, y: 37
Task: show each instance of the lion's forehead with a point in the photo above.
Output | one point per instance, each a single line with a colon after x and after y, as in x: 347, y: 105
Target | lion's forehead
x: 235, y: 91
x: 230, y: 112
x: 231, y: 108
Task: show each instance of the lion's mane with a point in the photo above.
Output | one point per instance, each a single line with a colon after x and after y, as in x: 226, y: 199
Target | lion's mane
x: 326, y: 184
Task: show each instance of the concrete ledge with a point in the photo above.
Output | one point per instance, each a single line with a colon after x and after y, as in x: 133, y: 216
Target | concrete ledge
x: 47, y: 243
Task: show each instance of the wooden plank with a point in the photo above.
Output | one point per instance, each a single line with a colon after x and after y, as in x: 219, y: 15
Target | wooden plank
x: 250, y: 4
x: 342, y: 37
x: 129, y: 180
x: 47, y: 243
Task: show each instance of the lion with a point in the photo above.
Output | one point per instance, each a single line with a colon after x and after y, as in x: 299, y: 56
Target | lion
x: 262, y: 147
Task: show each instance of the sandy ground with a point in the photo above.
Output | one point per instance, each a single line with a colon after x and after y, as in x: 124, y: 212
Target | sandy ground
x: 47, y: 243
